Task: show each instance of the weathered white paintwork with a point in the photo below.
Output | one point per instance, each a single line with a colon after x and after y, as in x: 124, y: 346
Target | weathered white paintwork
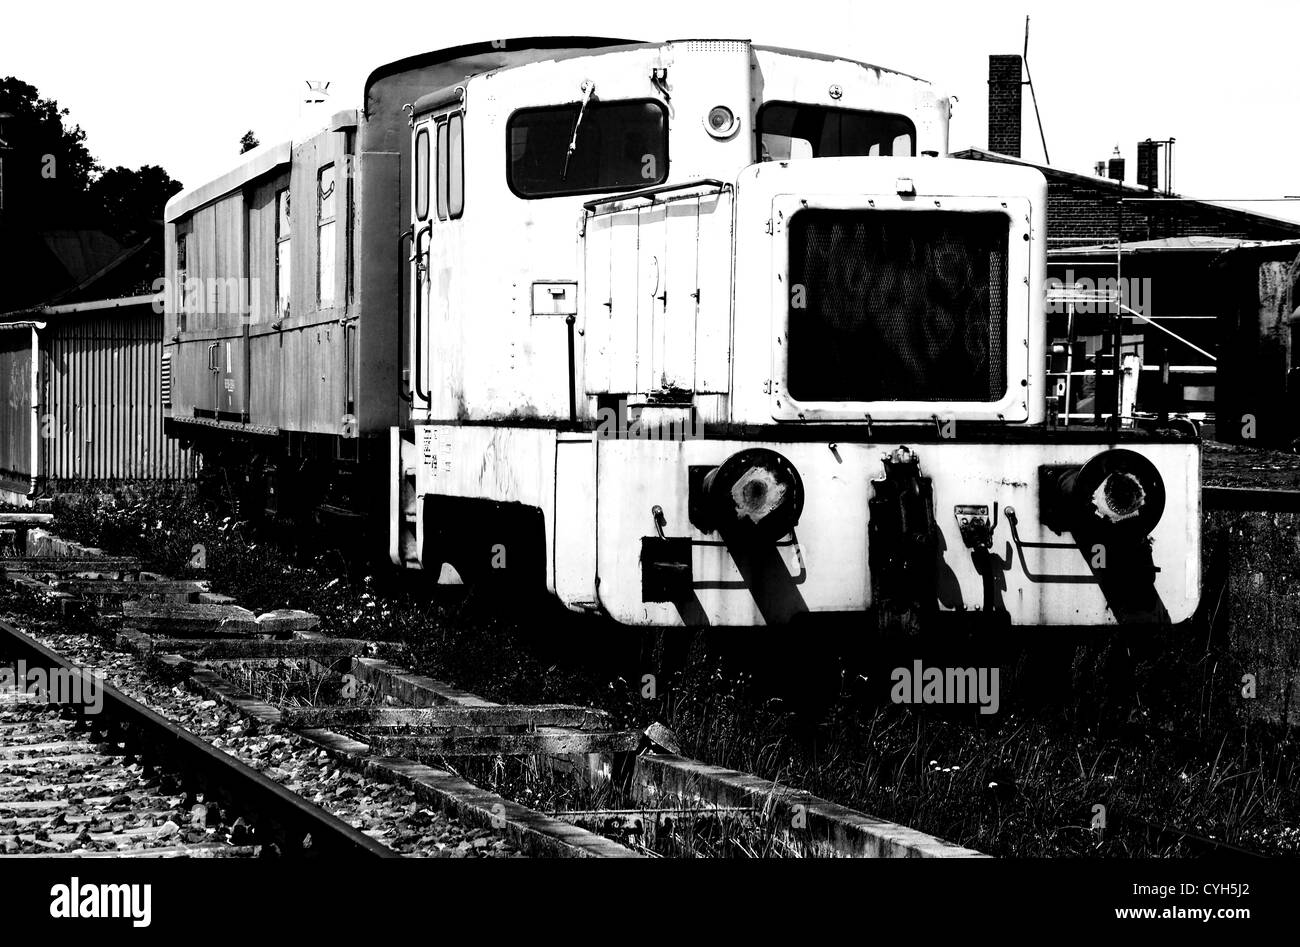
x: 689, y: 291
x: 485, y: 354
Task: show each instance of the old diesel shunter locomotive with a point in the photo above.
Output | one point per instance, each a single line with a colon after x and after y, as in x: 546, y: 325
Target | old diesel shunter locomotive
x: 698, y: 332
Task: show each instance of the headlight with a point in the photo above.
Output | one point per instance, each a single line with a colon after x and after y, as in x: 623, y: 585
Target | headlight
x: 721, y: 122
x: 1119, y: 493
x: 755, y: 494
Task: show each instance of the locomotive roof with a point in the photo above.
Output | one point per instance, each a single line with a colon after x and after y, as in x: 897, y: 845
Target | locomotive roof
x: 435, y: 71
x: 570, y: 47
x: 463, y: 56
x: 461, y: 67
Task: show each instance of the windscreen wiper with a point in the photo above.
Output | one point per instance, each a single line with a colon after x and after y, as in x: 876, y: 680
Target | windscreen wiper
x: 588, y: 90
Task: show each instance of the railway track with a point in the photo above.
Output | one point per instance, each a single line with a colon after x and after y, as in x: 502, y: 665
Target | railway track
x: 109, y: 754
x: 423, y: 736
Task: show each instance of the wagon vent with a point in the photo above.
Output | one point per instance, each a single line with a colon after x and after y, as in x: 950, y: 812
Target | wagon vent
x: 165, y: 377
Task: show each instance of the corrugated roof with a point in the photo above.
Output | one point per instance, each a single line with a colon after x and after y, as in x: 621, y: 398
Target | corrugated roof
x: 94, y: 305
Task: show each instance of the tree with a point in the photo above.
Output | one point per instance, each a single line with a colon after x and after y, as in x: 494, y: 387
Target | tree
x: 248, y: 142
x: 47, y: 167
x: 129, y: 200
x: 52, y: 182
x: 51, y: 179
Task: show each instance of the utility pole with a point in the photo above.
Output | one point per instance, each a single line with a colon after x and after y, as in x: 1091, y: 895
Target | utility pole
x: 1033, y: 95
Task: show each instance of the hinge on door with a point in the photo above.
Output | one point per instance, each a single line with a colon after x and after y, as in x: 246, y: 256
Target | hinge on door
x: 767, y: 387
x: 769, y: 225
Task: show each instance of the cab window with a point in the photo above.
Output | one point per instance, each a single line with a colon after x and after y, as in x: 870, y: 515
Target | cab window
x: 422, y: 173
x: 442, y: 170
x: 619, y: 145
x: 455, y: 166
x: 793, y: 130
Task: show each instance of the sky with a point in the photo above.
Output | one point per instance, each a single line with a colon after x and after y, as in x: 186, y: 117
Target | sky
x: 177, y: 84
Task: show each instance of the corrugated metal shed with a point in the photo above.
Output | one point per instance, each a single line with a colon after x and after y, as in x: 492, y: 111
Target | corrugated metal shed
x: 17, y: 342
x: 99, y: 416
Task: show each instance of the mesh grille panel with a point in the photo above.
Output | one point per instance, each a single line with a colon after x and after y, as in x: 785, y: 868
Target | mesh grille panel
x: 897, y: 306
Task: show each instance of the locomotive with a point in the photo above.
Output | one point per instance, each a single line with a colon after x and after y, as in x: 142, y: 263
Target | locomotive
x: 689, y: 333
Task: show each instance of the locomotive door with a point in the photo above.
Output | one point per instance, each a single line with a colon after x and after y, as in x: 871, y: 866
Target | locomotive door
x: 651, y: 299
x: 438, y: 243
x: 422, y: 228
x: 229, y: 304
x: 670, y: 296
x: 658, y: 290
x: 675, y: 367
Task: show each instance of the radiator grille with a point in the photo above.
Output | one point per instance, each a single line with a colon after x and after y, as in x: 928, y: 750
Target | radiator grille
x: 897, y: 306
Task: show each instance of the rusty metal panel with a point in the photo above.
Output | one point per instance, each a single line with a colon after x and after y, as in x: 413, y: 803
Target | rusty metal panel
x: 101, y: 402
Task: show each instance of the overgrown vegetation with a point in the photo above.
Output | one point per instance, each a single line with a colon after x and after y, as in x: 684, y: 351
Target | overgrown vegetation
x: 1138, y: 735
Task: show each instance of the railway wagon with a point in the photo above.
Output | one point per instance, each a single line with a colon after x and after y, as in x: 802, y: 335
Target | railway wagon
x: 282, y: 300
x: 696, y: 333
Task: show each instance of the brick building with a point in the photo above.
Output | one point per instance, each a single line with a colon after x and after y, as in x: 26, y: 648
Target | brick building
x: 1082, y: 209
x: 1216, y: 288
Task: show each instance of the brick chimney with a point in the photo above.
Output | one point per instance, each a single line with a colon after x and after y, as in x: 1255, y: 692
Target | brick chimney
x: 1004, y: 105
